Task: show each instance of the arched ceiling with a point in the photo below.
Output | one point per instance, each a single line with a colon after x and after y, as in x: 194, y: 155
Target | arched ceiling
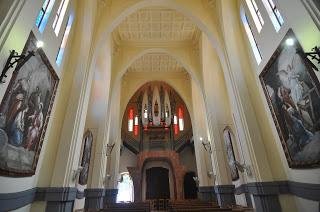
x: 156, y: 62
x: 156, y: 24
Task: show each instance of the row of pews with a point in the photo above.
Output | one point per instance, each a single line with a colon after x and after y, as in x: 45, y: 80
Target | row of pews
x: 196, y: 205
x: 172, y: 206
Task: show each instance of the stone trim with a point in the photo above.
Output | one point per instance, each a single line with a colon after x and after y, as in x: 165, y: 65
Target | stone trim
x: 303, y: 190
x: 206, y: 193
x: 111, y: 196
x: 225, y: 195
x: 52, y: 194
x: 94, y: 198
x: 12, y: 201
x: 80, y: 194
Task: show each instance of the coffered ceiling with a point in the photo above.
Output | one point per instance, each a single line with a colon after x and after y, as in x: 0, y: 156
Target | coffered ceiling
x: 156, y: 62
x: 156, y: 24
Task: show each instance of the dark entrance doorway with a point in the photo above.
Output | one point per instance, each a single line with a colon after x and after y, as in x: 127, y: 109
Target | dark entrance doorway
x: 157, y: 179
x: 190, y: 187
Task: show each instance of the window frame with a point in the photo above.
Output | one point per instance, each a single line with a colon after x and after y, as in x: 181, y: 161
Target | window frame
x: 44, y: 11
x: 70, y: 19
x: 255, y: 13
x: 59, y: 16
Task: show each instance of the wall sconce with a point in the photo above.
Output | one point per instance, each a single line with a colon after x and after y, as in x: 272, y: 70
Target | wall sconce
x: 76, y: 173
x: 313, y: 55
x: 108, y: 177
x: 20, y: 60
x: 109, y: 149
x: 206, y: 145
x: 196, y: 179
x: 243, y: 167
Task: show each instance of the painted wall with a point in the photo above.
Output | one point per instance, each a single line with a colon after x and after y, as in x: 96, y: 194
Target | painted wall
x: 268, y: 40
x: 24, y: 23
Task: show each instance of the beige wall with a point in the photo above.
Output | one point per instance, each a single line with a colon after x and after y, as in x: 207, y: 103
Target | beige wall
x: 221, y: 88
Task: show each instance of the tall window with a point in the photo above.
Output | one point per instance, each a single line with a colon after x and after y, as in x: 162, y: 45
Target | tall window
x: 44, y: 14
x: 255, y: 12
x: 251, y: 38
x: 59, y: 16
x: 274, y: 14
x: 125, y: 188
x: 130, y: 120
x: 181, y: 121
x: 64, y: 40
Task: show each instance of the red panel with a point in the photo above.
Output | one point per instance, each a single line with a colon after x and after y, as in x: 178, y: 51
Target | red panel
x: 136, y: 130
x: 131, y: 114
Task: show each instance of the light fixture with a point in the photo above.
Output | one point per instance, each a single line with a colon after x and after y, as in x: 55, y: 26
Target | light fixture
x: 109, y: 149
x: 313, y: 55
x: 206, y: 145
x: 108, y: 177
x: 20, y: 60
x: 196, y: 179
x: 76, y: 173
x: 290, y: 42
x: 39, y: 44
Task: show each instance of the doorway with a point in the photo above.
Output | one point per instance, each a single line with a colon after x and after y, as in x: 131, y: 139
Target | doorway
x: 190, y: 187
x: 157, y: 180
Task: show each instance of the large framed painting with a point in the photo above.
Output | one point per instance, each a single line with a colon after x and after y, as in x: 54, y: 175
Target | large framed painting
x: 227, y: 134
x: 86, y: 155
x: 25, y: 111
x: 293, y: 93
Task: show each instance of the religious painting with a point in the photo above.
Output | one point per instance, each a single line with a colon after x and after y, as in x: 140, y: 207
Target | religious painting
x: 25, y: 111
x: 86, y: 155
x: 293, y: 93
x: 230, y: 153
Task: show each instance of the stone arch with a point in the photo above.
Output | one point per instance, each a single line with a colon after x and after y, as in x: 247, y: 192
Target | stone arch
x: 205, y: 24
x: 171, y: 158
x: 191, y: 69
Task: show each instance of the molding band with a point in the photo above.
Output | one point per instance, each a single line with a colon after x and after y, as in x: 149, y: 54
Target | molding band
x: 94, y: 198
x: 80, y: 194
x: 11, y: 201
x: 225, y: 195
x: 303, y: 190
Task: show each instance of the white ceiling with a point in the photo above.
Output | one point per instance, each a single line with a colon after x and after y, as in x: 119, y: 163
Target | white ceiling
x: 156, y: 62
x: 156, y: 24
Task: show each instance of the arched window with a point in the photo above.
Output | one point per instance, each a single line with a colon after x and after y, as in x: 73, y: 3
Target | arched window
x: 255, y: 12
x: 44, y: 14
x: 251, y: 38
x: 64, y: 41
x: 59, y: 16
x: 125, y: 188
x: 274, y: 14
